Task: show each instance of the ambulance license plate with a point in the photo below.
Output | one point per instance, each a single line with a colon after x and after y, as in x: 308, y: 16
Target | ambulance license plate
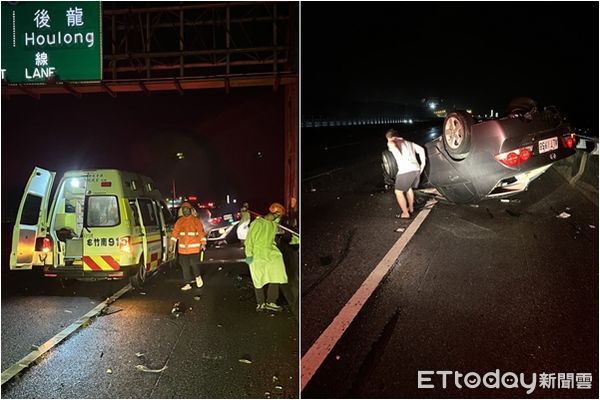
x: 547, y: 145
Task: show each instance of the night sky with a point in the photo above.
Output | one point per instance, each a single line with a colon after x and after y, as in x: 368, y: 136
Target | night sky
x: 220, y: 135
x: 477, y: 55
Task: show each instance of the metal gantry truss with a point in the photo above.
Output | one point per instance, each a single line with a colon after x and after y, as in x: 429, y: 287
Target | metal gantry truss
x: 165, y: 46
x: 178, y: 46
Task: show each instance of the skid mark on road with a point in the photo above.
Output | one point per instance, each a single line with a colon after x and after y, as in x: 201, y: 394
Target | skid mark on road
x: 343, y: 254
x: 321, y: 348
x: 375, y: 354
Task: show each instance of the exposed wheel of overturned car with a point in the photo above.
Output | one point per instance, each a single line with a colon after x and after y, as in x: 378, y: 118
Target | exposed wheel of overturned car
x: 389, y: 168
x: 457, y: 134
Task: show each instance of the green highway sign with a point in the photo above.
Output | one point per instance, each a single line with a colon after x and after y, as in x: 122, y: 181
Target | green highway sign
x: 51, y: 40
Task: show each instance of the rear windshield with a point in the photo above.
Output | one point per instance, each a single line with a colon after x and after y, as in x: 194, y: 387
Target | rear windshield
x: 102, y: 211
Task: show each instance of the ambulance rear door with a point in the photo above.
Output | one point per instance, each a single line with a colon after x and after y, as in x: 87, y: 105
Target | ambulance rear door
x: 32, y: 219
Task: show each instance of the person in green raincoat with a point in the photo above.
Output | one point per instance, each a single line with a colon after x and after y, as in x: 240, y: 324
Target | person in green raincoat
x: 265, y: 260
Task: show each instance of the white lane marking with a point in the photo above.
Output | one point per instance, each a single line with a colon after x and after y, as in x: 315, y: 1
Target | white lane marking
x: 23, y: 363
x: 315, y: 356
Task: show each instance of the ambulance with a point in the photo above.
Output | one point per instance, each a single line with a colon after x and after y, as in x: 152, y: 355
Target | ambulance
x: 101, y: 224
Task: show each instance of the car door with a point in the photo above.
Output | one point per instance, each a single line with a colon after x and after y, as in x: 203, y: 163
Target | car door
x: 142, y: 233
x: 152, y: 240
x: 166, y: 227
x: 32, y: 218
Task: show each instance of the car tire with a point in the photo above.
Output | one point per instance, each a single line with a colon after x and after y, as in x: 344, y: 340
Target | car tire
x: 139, y: 279
x: 456, y: 134
x: 389, y: 168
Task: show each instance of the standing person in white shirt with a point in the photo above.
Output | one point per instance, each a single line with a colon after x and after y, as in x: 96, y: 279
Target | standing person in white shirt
x: 409, y: 170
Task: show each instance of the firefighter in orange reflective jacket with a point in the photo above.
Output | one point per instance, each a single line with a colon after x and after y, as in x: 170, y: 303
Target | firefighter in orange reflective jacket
x: 189, y: 232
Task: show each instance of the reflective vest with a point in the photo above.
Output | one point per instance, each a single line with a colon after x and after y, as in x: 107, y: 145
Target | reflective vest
x: 190, y: 234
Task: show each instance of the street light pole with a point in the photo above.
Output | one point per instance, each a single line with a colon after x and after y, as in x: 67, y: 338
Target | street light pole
x: 174, y: 192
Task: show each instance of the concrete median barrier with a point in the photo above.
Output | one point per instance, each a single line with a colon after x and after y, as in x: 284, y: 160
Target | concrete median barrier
x: 581, y: 170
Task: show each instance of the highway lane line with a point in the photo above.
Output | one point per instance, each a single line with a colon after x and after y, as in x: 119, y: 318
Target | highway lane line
x: 26, y: 361
x: 321, y: 348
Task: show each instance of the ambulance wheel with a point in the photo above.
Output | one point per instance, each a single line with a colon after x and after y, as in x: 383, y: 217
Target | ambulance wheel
x: 138, y: 280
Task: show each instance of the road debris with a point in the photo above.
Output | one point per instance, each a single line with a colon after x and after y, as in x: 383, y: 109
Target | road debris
x: 592, y: 226
x: 139, y: 354
x: 143, y: 293
x: 400, y: 230
x: 278, y: 389
x: 213, y: 358
x: 108, y: 310
x: 267, y: 395
x: 177, y: 310
x: 197, y: 298
x: 245, y: 359
x: 109, y: 371
x: 563, y: 215
x: 337, y: 357
x: 143, y: 368
x: 69, y: 311
x: 220, y: 268
x: 504, y: 200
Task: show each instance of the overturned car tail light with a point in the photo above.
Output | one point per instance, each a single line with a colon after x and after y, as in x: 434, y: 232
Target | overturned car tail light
x: 515, y: 157
x: 569, y: 141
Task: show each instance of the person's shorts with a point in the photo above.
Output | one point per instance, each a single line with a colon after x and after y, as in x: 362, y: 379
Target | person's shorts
x: 407, y: 180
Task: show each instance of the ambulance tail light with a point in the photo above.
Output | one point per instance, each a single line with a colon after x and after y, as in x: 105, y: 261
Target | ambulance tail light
x: 44, y: 245
x: 125, y: 244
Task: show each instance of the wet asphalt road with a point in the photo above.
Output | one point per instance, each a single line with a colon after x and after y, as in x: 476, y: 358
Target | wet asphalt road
x: 201, y: 348
x: 498, y: 286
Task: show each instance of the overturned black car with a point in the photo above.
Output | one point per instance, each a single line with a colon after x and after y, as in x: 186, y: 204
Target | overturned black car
x: 475, y: 160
